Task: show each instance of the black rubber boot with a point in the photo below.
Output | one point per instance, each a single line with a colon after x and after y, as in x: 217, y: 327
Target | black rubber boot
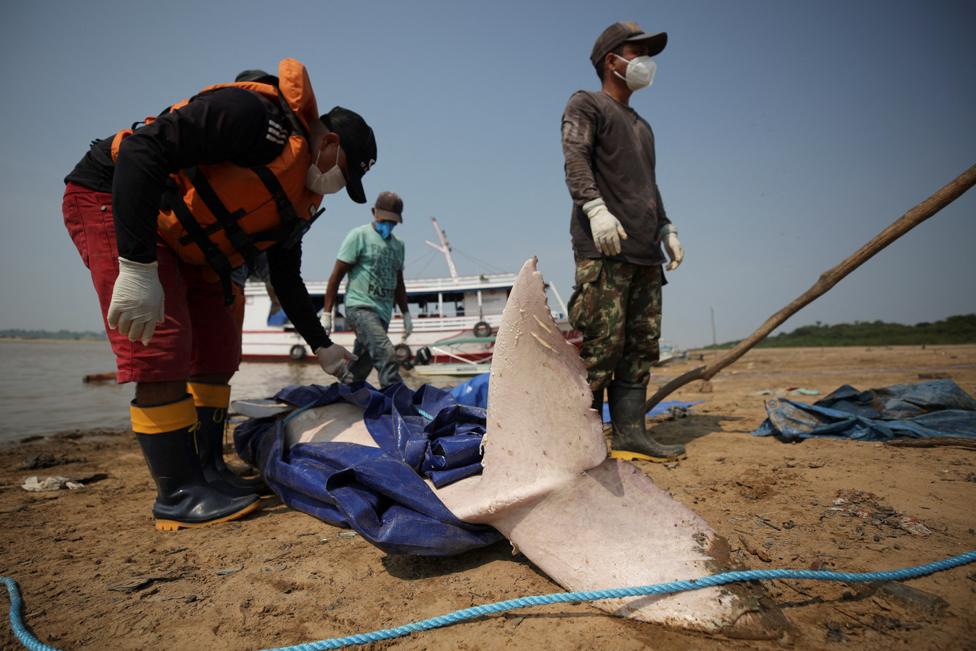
x: 630, y: 439
x: 210, y: 450
x: 184, y: 499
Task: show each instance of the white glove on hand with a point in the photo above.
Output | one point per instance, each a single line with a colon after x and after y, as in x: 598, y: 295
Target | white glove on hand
x: 607, y: 231
x: 407, y: 325
x: 676, y: 252
x: 137, y: 300
x: 334, y: 359
x: 327, y: 322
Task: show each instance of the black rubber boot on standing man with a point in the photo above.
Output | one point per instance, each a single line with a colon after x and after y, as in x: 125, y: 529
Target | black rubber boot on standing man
x: 630, y: 439
x: 211, y: 402
x: 184, y: 499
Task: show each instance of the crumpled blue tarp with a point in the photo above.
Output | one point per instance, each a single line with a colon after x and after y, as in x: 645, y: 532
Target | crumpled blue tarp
x: 921, y: 409
x: 379, y: 492
x: 475, y: 392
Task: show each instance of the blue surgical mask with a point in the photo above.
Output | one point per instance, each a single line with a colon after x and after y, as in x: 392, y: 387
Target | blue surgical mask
x: 385, y: 229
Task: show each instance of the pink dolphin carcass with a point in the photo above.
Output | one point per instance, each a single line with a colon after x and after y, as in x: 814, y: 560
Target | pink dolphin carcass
x: 587, y: 521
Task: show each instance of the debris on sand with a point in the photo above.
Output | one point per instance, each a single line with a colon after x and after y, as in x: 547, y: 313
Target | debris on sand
x: 869, y: 508
x: 36, y: 484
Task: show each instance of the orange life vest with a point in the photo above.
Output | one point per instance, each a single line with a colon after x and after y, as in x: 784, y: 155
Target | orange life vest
x: 222, y: 215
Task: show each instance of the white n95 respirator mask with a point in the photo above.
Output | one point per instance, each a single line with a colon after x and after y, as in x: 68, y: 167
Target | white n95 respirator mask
x: 640, y: 72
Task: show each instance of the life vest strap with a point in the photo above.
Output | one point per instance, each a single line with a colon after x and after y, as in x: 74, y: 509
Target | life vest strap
x: 215, y: 258
x: 273, y: 235
x: 227, y: 220
x: 292, y: 227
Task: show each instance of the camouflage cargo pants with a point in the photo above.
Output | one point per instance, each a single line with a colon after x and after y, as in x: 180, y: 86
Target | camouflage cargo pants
x: 617, y: 307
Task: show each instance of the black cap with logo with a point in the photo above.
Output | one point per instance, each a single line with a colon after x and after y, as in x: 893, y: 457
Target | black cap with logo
x: 357, y: 141
x: 620, y: 33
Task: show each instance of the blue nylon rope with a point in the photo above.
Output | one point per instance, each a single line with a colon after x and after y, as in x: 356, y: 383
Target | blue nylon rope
x: 474, y: 612
x: 17, y: 624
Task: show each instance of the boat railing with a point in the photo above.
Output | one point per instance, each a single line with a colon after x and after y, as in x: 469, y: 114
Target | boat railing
x: 442, y: 323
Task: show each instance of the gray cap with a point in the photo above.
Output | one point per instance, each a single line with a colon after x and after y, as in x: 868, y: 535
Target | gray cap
x: 389, y: 206
x: 620, y: 33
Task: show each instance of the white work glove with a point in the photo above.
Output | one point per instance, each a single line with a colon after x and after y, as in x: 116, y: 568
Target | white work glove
x: 334, y: 359
x: 137, y: 300
x: 407, y: 325
x: 607, y: 231
x: 327, y: 321
x: 672, y: 246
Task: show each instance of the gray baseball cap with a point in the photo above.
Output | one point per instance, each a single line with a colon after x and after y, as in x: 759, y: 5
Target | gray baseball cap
x: 389, y: 206
x: 620, y: 33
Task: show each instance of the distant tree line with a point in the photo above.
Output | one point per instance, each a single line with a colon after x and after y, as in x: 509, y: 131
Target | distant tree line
x: 49, y: 334
x: 953, y: 330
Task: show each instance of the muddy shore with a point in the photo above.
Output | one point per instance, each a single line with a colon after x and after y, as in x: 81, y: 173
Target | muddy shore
x: 95, y: 574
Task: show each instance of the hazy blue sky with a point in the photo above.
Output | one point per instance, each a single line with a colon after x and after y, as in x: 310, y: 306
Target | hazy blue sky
x: 788, y: 134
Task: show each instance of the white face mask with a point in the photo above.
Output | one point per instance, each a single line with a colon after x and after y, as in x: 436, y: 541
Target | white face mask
x: 324, y: 183
x: 640, y: 72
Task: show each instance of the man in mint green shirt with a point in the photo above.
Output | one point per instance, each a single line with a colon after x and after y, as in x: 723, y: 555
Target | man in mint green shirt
x: 373, y: 259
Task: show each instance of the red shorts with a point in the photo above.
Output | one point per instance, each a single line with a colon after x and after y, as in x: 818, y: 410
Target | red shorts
x: 198, y: 337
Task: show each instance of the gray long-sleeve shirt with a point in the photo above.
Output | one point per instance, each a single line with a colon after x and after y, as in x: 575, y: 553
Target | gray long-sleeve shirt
x: 609, y: 152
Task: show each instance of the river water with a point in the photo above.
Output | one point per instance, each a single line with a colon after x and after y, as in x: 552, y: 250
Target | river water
x: 42, y: 389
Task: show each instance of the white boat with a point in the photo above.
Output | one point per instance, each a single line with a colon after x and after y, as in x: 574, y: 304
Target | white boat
x: 454, y: 318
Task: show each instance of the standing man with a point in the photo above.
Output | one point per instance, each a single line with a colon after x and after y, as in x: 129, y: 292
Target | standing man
x: 161, y: 215
x: 618, y: 224
x: 372, y: 256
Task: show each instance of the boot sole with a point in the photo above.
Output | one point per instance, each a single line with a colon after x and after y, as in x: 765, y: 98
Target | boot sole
x: 624, y: 455
x: 175, y: 525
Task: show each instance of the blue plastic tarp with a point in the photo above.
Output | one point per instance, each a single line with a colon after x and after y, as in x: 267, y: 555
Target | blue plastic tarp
x: 379, y: 492
x: 921, y: 409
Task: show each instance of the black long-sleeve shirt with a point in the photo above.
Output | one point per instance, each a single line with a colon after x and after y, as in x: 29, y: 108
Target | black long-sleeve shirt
x: 609, y: 154
x: 229, y: 125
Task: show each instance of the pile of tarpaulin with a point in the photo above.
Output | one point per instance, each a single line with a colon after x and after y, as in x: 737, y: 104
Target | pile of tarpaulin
x: 380, y: 492
x: 921, y: 409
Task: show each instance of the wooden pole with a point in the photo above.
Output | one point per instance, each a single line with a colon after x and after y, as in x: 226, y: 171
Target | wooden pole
x: 946, y: 195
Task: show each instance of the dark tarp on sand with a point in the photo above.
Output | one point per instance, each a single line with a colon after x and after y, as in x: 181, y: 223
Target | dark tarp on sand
x: 379, y: 492
x: 922, y: 409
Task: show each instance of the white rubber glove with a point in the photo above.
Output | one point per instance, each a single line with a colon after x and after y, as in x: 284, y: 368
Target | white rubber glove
x: 607, y: 231
x: 334, y: 359
x: 672, y: 246
x: 137, y: 300
x: 407, y: 325
x: 327, y: 321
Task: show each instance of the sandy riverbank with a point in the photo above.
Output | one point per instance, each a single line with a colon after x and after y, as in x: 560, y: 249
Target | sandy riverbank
x: 96, y: 575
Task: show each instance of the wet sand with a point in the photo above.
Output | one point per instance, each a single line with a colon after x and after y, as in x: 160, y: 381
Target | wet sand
x: 95, y: 574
